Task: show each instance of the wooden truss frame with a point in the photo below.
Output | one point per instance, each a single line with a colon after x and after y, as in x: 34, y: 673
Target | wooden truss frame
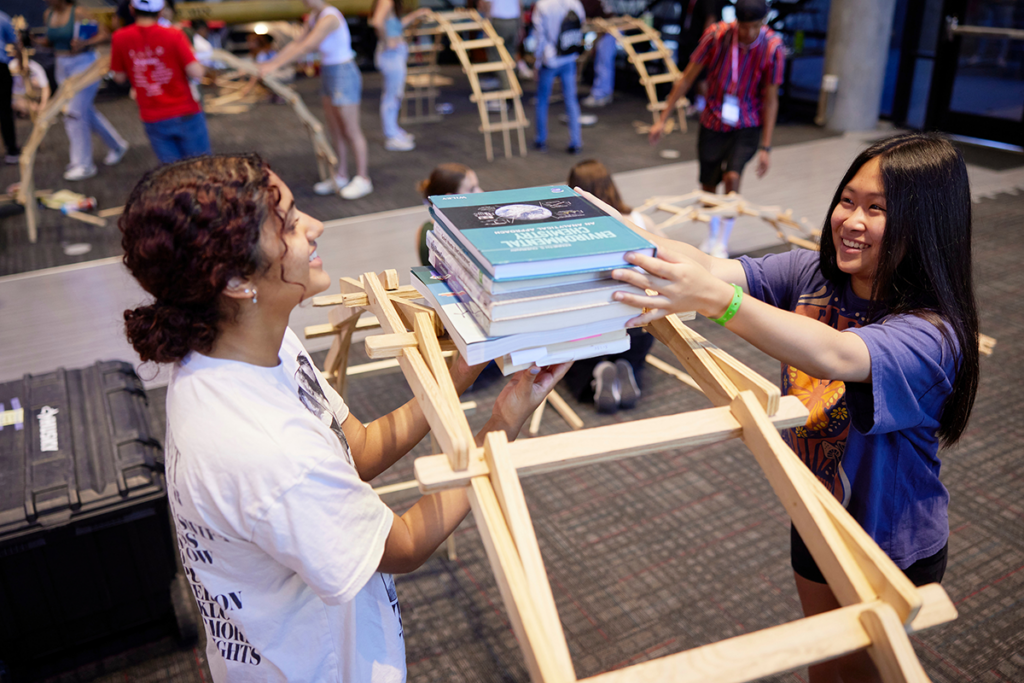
x: 629, y: 32
x: 425, y: 79
x: 345, y: 320
x: 880, y: 605
x: 701, y: 206
x: 325, y: 156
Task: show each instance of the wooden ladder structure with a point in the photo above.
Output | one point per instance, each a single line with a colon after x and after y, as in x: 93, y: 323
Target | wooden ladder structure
x: 880, y: 606
x: 423, y: 79
x: 458, y: 22
x: 630, y: 32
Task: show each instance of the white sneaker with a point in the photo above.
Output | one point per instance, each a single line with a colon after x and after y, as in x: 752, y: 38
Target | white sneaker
x: 399, y: 145
x: 80, y: 173
x: 330, y: 186
x: 706, y: 245
x: 114, y: 156
x: 358, y: 187
x: 591, y: 101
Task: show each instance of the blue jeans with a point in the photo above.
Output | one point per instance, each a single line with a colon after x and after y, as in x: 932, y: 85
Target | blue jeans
x: 604, y: 67
x: 81, y: 119
x: 545, y: 80
x: 392, y: 65
x: 179, y: 138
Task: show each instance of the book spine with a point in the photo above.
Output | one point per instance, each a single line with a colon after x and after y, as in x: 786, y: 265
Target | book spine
x: 443, y: 264
x: 460, y: 258
x: 465, y: 244
x: 463, y: 297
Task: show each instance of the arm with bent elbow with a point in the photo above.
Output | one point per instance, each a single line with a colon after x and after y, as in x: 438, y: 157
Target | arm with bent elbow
x: 418, y: 533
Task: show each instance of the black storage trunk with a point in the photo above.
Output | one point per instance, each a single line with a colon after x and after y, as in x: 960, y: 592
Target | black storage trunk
x: 86, y: 555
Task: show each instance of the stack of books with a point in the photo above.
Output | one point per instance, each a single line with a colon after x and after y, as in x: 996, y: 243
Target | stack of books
x: 524, y: 276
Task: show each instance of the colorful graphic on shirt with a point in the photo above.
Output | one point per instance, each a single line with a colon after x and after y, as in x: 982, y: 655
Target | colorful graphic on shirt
x: 821, y: 442
x: 315, y: 400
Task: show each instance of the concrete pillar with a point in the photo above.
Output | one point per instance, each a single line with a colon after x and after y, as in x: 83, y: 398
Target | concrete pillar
x: 856, y: 52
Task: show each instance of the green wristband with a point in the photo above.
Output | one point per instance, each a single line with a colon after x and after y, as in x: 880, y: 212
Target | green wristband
x: 734, y: 305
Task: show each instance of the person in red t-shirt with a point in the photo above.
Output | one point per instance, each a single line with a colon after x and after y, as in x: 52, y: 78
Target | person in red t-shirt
x: 158, y: 62
x: 744, y: 61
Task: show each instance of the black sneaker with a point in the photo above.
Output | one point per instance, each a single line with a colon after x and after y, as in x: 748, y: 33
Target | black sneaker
x: 573, y: 149
x: 606, y: 387
x: 629, y: 391
x: 541, y: 146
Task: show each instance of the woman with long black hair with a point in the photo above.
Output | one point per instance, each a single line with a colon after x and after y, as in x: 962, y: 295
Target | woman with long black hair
x: 878, y: 336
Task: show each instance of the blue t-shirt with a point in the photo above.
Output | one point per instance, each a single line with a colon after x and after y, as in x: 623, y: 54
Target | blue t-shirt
x: 8, y: 36
x: 885, y: 469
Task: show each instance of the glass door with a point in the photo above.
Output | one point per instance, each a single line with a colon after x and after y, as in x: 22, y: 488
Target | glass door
x: 978, y: 82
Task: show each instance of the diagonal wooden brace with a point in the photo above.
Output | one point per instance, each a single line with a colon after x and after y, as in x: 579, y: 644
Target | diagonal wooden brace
x: 541, y: 659
x: 783, y: 470
x: 505, y: 481
x: 688, y: 348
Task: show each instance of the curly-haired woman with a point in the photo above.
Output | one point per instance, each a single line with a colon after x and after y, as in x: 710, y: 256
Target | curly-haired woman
x: 288, y: 549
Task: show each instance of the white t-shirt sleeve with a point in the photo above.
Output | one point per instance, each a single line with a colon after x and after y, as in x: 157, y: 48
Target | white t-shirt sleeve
x: 329, y: 527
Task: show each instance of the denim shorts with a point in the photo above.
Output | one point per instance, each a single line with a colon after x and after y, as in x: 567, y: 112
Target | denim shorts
x: 342, y: 83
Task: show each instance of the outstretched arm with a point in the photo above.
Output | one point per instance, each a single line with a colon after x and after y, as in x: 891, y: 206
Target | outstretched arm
x: 682, y: 284
x: 418, y: 533
x: 680, y: 88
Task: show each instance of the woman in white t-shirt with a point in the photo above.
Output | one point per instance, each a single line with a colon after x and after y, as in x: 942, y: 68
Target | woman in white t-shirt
x: 288, y: 549
x: 341, y: 88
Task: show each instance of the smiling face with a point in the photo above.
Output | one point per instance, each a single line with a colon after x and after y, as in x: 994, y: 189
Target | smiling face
x: 858, y: 223
x: 296, y: 271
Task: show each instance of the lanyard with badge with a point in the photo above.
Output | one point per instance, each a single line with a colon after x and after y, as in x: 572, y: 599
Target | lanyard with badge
x: 731, y: 102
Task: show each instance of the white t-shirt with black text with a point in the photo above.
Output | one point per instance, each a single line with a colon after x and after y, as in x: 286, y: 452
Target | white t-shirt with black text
x: 279, y: 537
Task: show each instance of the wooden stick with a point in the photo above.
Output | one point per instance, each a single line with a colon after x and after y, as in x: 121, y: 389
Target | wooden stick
x: 656, y: 362
x: 782, y: 469
x: 777, y: 649
x: 86, y: 218
x: 687, y: 347
x: 563, y: 409
x: 890, y: 647
x: 541, y: 661
x: 110, y: 213
x: 570, y: 449
x: 505, y: 482
x: 536, y: 418
x: 745, y: 379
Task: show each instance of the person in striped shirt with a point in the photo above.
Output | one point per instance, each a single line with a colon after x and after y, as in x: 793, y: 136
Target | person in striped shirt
x: 744, y: 61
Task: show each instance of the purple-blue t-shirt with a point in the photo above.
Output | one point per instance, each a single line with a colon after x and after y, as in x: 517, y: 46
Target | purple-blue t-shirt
x: 885, y: 469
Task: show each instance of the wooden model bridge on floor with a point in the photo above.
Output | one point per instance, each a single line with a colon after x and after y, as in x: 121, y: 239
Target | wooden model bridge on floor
x: 880, y: 605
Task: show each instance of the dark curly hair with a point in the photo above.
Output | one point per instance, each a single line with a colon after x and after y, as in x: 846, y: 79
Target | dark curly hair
x: 187, y: 229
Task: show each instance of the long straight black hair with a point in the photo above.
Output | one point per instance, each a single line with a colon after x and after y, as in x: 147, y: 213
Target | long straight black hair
x: 924, y: 263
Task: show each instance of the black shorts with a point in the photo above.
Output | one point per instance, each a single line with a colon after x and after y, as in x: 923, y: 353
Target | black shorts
x: 720, y: 153
x: 924, y: 571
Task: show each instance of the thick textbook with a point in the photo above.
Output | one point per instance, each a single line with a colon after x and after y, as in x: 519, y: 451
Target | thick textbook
x: 476, y: 347
x: 470, y: 269
x: 489, y: 308
x: 536, y: 231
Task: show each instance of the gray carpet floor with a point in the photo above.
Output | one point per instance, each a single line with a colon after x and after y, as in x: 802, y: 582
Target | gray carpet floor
x: 646, y: 556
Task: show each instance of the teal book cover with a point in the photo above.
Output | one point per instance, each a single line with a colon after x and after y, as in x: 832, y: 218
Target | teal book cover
x: 536, y: 231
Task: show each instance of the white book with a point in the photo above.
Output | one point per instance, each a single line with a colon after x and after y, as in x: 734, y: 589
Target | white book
x: 476, y: 347
x: 561, y: 354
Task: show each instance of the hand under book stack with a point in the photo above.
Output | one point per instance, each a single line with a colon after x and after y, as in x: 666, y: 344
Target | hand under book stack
x: 524, y: 276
